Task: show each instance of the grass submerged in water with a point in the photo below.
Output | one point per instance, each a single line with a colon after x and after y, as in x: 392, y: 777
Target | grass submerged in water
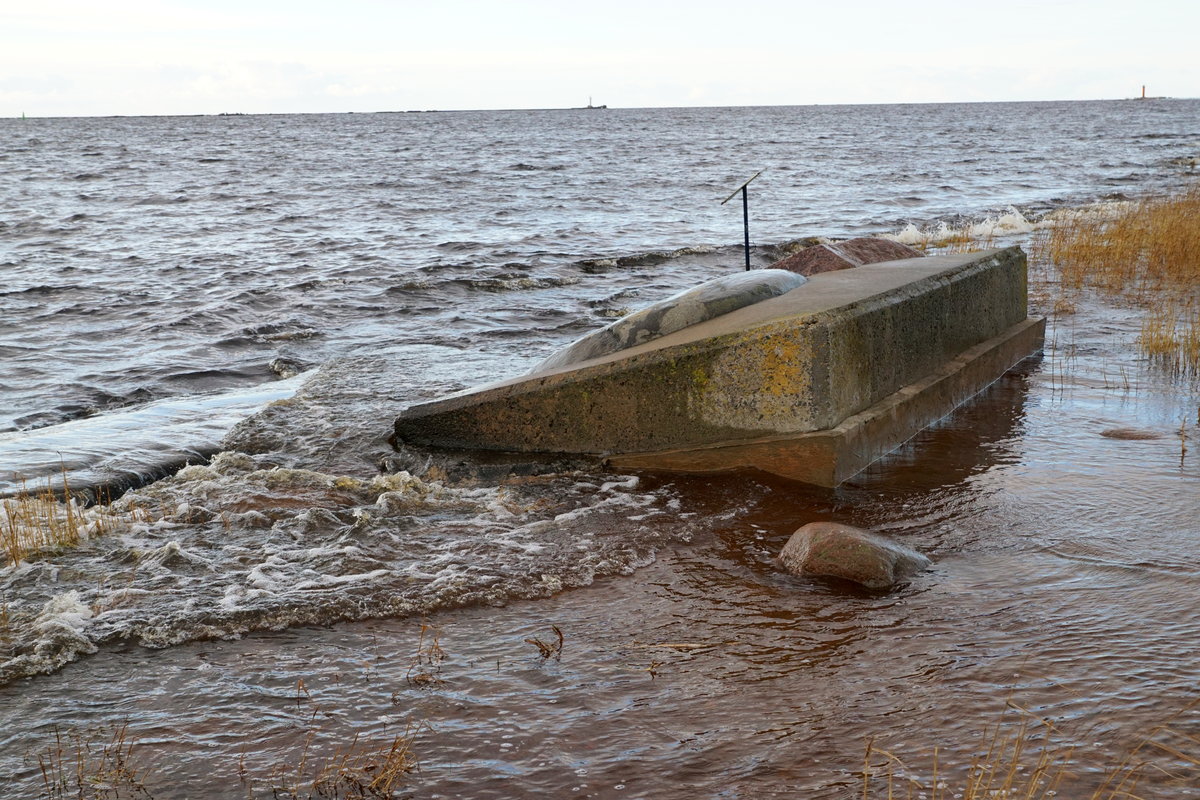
x: 1029, y: 757
x: 52, y: 518
x: 95, y: 765
x: 1147, y: 251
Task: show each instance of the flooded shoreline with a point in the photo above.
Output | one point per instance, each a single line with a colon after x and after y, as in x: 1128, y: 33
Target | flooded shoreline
x: 1064, y: 581
x: 263, y: 609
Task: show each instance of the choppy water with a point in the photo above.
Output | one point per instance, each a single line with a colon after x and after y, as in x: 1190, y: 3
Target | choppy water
x: 162, y: 274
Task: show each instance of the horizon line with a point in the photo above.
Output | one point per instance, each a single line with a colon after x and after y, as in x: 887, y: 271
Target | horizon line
x: 24, y: 116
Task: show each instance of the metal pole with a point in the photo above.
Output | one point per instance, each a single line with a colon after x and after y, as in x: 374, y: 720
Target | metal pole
x: 746, y: 224
x: 745, y: 212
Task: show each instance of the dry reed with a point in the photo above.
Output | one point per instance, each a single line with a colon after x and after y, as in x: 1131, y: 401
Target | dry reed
x: 549, y: 649
x: 1147, y: 251
x: 361, y: 771
x: 365, y: 769
x: 1027, y: 758
x: 426, y: 666
x: 36, y: 521
x: 92, y: 766
x: 52, y: 518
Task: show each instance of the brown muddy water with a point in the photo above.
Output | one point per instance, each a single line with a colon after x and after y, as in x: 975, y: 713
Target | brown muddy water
x: 1066, y: 580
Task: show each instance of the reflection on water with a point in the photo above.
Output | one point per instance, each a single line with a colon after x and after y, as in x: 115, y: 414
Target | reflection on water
x: 1066, y: 578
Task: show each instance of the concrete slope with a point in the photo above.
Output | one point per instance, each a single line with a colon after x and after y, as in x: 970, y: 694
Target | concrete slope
x: 797, y: 364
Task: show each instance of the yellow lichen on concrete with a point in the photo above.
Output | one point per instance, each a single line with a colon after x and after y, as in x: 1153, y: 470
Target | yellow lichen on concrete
x: 765, y: 384
x: 799, y: 363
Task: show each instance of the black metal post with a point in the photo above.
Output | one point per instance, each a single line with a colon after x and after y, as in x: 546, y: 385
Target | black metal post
x: 746, y: 223
x: 745, y: 211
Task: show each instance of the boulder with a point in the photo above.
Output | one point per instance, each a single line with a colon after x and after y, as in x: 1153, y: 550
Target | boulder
x: 872, y: 250
x: 844, y: 255
x: 710, y: 299
x: 1130, y: 434
x: 842, y: 551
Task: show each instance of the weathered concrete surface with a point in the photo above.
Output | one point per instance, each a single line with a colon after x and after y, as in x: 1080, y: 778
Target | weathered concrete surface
x: 844, y: 255
x: 828, y: 457
x: 842, y: 551
x: 751, y: 381
x: 707, y: 301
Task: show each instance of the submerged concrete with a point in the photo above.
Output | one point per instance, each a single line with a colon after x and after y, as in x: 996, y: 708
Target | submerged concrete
x: 813, y: 384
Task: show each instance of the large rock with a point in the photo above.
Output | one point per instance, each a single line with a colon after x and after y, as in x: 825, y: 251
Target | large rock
x: 843, y: 255
x: 710, y: 299
x: 842, y: 551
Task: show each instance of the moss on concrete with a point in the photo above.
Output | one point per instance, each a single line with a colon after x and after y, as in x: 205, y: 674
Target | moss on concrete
x: 798, y: 363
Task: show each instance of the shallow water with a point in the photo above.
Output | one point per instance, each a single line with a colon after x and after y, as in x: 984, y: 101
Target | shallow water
x: 1065, y: 578
x: 1065, y: 573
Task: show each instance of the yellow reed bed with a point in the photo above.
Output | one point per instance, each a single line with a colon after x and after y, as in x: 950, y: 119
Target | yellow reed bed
x: 50, y: 518
x: 1148, y: 251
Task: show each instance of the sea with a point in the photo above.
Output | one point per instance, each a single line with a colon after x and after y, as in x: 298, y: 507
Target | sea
x: 208, y: 325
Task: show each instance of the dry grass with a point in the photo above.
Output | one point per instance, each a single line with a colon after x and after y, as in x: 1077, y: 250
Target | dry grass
x: 426, y: 666
x: 92, y: 766
x: 1148, y: 252
x: 1027, y: 757
x: 51, y: 518
x: 363, y: 770
x: 1145, y: 247
x: 551, y: 649
x: 36, y: 521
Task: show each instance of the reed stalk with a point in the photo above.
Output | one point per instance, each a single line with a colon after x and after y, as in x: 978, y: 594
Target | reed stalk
x: 1146, y: 251
x: 1028, y: 757
x: 51, y: 518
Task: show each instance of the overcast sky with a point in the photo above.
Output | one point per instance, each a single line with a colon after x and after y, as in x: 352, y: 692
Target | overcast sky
x: 99, y: 57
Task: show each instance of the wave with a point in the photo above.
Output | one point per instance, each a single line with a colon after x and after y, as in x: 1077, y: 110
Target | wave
x: 645, y: 259
x: 40, y: 289
x: 537, y: 168
x: 235, y: 546
x: 112, y: 452
x: 161, y: 200
x: 494, y: 284
x: 1010, y: 223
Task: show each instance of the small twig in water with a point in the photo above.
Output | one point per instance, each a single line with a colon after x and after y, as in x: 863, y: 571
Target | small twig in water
x: 548, y: 649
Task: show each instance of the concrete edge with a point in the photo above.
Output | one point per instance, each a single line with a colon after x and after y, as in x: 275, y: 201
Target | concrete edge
x: 756, y: 321
x: 828, y: 457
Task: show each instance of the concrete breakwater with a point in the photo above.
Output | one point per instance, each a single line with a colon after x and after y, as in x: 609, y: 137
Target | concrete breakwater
x: 813, y: 384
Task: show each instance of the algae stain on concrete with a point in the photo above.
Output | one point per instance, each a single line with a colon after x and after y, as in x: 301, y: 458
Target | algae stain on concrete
x: 797, y: 365
x: 765, y: 384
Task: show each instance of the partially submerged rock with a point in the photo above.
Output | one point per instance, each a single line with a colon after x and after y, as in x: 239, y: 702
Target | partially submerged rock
x: 1130, y: 434
x: 843, y: 551
x: 844, y: 255
x: 704, y: 302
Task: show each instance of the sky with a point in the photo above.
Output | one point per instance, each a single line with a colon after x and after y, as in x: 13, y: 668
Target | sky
x: 133, y: 57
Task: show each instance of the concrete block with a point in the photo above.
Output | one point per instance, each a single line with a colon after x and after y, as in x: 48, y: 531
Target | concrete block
x: 904, y: 341
x: 704, y: 302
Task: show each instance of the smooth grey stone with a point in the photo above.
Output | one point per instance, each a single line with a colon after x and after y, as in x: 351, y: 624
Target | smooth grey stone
x: 843, y: 551
x: 704, y: 302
